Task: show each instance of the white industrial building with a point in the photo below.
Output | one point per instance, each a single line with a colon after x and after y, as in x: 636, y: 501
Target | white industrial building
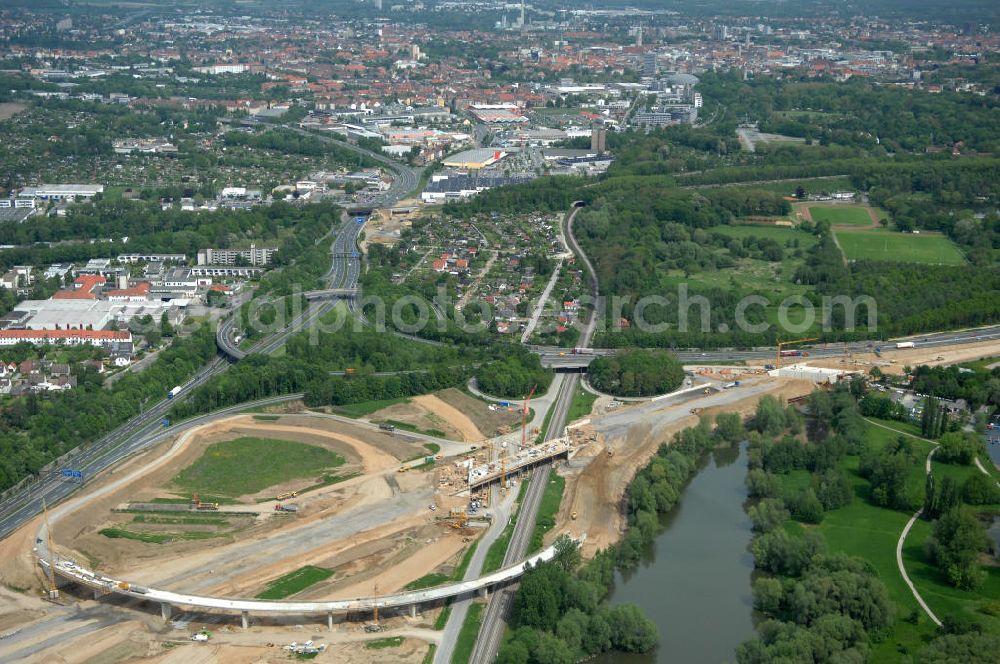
x: 60, y: 192
x: 82, y: 314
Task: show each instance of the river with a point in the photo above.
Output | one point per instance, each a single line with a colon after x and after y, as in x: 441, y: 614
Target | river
x: 694, y: 580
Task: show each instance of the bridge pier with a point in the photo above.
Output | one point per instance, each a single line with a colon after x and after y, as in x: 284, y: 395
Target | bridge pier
x: 245, y: 619
x: 413, y: 610
x: 165, y: 610
x: 329, y: 620
x: 484, y: 592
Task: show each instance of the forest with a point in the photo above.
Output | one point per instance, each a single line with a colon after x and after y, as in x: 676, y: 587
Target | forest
x: 285, y: 141
x: 514, y: 376
x: 636, y: 373
x: 312, y: 356
x: 831, y: 607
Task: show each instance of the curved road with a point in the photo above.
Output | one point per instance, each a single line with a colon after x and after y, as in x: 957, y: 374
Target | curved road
x: 145, y: 429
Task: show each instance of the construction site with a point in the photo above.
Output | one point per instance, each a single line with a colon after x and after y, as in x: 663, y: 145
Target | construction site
x: 377, y: 522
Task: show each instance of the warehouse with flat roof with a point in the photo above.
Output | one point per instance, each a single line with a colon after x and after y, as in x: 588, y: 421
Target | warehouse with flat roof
x: 474, y: 159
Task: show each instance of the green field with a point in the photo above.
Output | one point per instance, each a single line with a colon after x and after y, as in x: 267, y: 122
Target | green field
x: 884, y: 245
x: 842, y: 215
x: 294, y: 582
x: 870, y: 532
x: 154, y: 538
x: 387, y: 642
x: 463, y: 564
x: 248, y: 465
x: 427, y: 581
x: 780, y: 234
x: 583, y: 402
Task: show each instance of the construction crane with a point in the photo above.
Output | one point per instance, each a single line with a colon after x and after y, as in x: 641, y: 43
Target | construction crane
x: 53, y: 590
x: 524, y: 438
x: 524, y: 417
x: 782, y: 344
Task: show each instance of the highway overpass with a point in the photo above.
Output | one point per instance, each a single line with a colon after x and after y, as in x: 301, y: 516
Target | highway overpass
x: 68, y: 570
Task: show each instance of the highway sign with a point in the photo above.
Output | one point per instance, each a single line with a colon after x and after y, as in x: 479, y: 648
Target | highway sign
x: 72, y: 473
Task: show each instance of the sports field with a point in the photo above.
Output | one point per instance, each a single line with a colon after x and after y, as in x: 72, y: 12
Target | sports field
x: 845, y: 215
x: 884, y: 245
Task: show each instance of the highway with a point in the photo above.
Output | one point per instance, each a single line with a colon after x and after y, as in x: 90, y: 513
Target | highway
x: 345, y: 260
x: 411, y: 598
x: 138, y: 434
x: 498, y: 609
x: 563, y: 358
x: 146, y: 429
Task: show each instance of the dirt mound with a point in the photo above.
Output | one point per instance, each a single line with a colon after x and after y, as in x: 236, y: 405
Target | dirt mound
x: 455, y: 418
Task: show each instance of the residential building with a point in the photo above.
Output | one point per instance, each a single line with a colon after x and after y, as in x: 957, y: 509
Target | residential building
x: 253, y: 256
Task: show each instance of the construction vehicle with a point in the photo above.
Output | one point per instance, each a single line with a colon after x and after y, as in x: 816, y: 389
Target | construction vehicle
x: 350, y: 371
x: 573, y: 516
x: 197, y: 504
x: 287, y: 507
x: 791, y: 353
x: 286, y: 496
x: 610, y: 453
x: 385, y: 426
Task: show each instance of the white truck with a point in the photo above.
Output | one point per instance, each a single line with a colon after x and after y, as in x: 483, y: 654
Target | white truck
x: 174, y: 392
x: 905, y: 344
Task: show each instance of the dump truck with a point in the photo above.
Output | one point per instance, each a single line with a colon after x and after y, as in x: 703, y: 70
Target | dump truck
x: 287, y: 507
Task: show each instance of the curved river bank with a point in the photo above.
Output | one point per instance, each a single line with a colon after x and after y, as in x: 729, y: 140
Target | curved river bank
x: 694, y: 581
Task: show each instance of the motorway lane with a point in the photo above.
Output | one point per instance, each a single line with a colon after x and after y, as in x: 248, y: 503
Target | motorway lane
x: 109, y: 450
x: 563, y: 357
x: 498, y: 609
x: 130, y: 439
